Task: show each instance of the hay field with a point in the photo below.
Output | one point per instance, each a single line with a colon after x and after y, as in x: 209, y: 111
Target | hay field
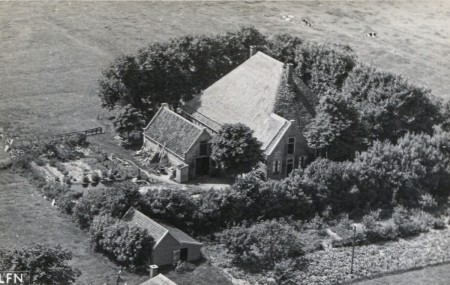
x: 52, y: 53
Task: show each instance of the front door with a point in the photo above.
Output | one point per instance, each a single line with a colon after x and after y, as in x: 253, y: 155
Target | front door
x: 183, y: 254
x: 202, y: 166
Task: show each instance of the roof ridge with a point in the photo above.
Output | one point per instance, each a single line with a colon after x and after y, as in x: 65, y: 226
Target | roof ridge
x: 267, y: 56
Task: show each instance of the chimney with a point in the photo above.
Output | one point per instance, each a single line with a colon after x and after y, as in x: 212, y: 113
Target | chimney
x: 164, y: 105
x: 289, y: 67
x: 252, y: 50
x: 153, y: 270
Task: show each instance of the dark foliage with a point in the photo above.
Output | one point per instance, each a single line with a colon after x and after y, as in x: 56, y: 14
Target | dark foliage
x: 236, y: 149
x: 114, y: 200
x: 127, y: 244
x: 262, y: 245
x: 46, y: 265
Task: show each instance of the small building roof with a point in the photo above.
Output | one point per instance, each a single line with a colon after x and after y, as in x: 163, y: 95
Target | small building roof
x: 245, y: 95
x: 172, y: 131
x: 157, y: 230
x: 159, y: 279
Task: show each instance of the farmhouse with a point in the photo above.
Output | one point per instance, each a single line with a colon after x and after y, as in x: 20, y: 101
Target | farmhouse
x: 171, y: 244
x: 262, y: 93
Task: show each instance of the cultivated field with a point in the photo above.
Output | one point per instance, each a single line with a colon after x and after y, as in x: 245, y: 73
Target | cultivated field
x: 52, y: 53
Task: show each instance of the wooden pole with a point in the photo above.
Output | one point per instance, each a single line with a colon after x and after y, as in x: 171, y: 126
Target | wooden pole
x: 353, y: 249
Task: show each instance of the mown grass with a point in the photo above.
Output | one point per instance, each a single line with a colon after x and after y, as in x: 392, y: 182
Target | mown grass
x: 52, y: 53
x: 27, y: 218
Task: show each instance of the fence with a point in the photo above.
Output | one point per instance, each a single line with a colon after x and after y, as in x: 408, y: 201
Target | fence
x: 27, y: 141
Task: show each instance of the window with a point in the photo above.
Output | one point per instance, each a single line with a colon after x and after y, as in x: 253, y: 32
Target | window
x: 276, y: 167
x: 289, y: 165
x: 291, y: 146
x: 203, y: 148
x: 302, y: 161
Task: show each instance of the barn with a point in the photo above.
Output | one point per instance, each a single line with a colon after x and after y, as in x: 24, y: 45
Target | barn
x: 171, y: 244
x: 183, y: 143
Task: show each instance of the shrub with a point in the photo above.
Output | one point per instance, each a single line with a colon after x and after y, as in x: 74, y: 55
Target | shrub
x: 129, y: 245
x: 371, y: 220
x: 46, y: 265
x: 115, y: 201
x: 95, y: 178
x: 406, y: 225
x: 382, y: 232
x: 66, y: 202
x: 262, y: 245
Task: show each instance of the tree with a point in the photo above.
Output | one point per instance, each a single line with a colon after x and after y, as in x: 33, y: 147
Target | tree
x: 46, y: 265
x: 174, y: 70
x: 235, y: 148
x: 129, y: 119
x: 283, y: 47
x: 324, y: 68
x: 336, y: 129
x: 389, y: 104
x: 262, y: 245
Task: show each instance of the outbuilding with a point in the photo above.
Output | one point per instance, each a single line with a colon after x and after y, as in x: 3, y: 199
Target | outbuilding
x: 171, y: 244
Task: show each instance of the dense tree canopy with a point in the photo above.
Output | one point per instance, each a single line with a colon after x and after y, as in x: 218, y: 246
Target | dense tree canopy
x: 359, y: 104
x: 174, y: 70
x: 336, y: 129
x: 236, y: 149
x: 389, y: 105
x: 129, y: 120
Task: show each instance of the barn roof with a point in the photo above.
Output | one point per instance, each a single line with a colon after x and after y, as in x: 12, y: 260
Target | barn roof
x: 172, y: 131
x: 159, y: 280
x: 248, y: 95
x: 157, y: 229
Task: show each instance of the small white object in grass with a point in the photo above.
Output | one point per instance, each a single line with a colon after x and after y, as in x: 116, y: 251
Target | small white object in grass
x: 53, y: 203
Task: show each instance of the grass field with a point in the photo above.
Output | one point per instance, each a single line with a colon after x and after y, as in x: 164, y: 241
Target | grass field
x: 27, y: 218
x: 52, y: 53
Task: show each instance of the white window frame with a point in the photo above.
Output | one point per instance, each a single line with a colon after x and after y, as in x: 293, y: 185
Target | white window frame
x: 276, y: 166
x: 288, y: 143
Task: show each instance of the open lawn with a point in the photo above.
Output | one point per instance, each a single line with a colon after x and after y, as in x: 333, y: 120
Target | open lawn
x: 436, y: 275
x: 52, y: 53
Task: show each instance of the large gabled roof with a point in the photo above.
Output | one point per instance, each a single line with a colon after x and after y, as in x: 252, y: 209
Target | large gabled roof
x: 158, y: 230
x: 245, y: 95
x: 173, y: 131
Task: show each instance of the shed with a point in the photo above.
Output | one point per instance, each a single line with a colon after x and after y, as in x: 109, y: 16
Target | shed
x: 159, y: 280
x: 171, y: 244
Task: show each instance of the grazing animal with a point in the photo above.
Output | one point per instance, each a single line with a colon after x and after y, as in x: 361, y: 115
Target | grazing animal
x: 306, y: 22
x: 371, y: 35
